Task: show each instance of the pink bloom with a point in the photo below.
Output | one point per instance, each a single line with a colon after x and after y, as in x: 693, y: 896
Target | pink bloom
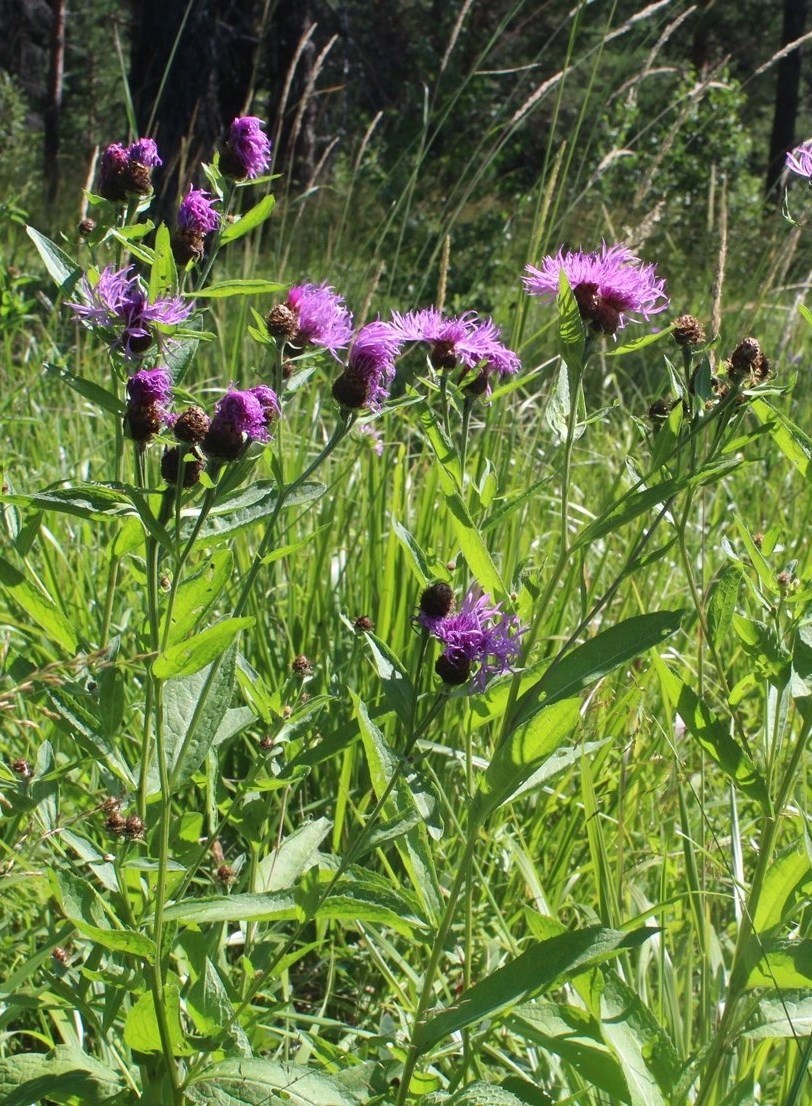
x: 607, y: 284
x: 800, y: 159
x: 248, y: 149
x: 462, y: 340
x: 196, y: 214
x: 321, y: 315
x: 478, y: 633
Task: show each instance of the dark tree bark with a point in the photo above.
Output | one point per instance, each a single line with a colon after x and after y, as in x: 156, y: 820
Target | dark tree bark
x: 787, y: 89
x: 53, y: 107
x: 209, y: 63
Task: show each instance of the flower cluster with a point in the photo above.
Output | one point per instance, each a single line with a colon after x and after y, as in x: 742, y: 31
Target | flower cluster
x: 127, y: 170
x: 247, y: 151
x: 119, y: 306
x: 479, y: 633
x: 196, y: 219
x: 608, y: 285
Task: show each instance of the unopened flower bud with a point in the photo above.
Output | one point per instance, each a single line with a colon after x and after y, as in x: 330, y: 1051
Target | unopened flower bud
x: 282, y: 322
x: 171, y: 464
x: 437, y: 600
x: 115, y: 823
x: 453, y: 670
x: 20, y: 767
x: 86, y: 227
x: 364, y: 623
x: 301, y: 666
x: 225, y: 874
x: 688, y: 331
x: 134, y: 828
x: 350, y: 391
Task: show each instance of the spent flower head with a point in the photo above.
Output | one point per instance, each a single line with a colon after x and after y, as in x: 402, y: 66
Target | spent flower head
x: 322, y: 317
x: 607, y: 284
x: 247, y: 152
x: 799, y: 160
x: 480, y: 633
x: 118, y: 306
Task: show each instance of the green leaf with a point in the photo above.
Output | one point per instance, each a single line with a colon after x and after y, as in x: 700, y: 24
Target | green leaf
x: 266, y: 1082
x: 787, y: 882
x: 570, y: 323
x: 38, y: 606
x: 596, y: 658
x: 188, y: 657
x: 447, y: 457
x: 713, y: 735
x: 298, y: 852
x: 522, y: 752
x: 722, y: 600
x: 575, y: 1036
x: 793, y: 442
x: 62, y: 269
x: 783, y: 965
x: 417, y: 558
x: 364, y: 896
x: 211, y: 1009
x: 197, y: 593
x: 484, y: 1094
x: 252, y: 218
x: 225, y: 288
x: 543, y: 964
x: 397, y: 685
x: 789, y: 1015
x: 254, y: 907
x: 141, y: 1030
x: 163, y: 276
x: 100, y: 397
x: 64, y: 1075
x: 81, y: 905
x: 99, y: 502
x: 255, y: 504
x: 639, y: 343
x: 190, y: 729
x: 801, y: 672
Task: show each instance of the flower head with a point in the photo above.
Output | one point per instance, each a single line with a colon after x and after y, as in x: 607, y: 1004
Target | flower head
x: 478, y: 633
x: 247, y: 152
x: 118, y: 306
x: 240, y: 417
x: 322, y: 317
x: 127, y: 170
x: 149, y: 392
x: 606, y: 284
x: 370, y: 368
x: 196, y: 214
x: 799, y: 160
x: 464, y: 340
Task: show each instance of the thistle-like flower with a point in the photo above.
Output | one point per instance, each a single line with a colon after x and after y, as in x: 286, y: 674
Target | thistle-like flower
x: 118, y: 306
x: 247, y: 152
x: 799, y: 160
x: 196, y: 219
x: 240, y: 417
x: 370, y: 368
x: 464, y: 340
x: 149, y: 393
x: 127, y: 170
x: 479, y: 633
x: 322, y: 318
x: 607, y: 285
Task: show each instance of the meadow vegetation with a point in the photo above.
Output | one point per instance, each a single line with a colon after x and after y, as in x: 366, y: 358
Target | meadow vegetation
x: 274, y: 826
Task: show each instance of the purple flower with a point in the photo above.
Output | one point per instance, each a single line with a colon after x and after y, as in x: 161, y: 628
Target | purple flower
x: 322, y: 317
x: 119, y: 307
x: 144, y: 152
x: 248, y: 149
x: 462, y: 340
x: 607, y: 284
x: 240, y: 417
x: 799, y: 160
x: 196, y: 214
x: 370, y: 367
x: 149, y: 392
x: 478, y: 633
x: 373, y: 438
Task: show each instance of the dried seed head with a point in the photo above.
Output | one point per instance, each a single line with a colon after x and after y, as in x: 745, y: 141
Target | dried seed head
x: 453, y: 670
x: 282, y: 322
x: 688, y: 331
x: 187, y: 245
x: 115, y: 823
x: 191, y: 425
x: 744, y: 358
x: 437, y: 600
x: 225, y: 874
x: 171, y: 463
x: 301, y: 666
x: 134, y: 828
x: 20, y: 767
x: 111, y: 805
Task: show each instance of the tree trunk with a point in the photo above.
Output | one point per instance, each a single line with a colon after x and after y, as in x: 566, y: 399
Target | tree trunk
x: 53, y: 105
x: 787, y: 89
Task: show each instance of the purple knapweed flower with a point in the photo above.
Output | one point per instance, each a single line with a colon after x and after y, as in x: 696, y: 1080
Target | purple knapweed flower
x: 119, y: 307
x: 196, y: 214
x: 370, y: 368
x: 464, y: 340
x: 799, y: 160
x: 607, y: 284
x: 373, y: 438
x: 240, y: 417
x: 322, y: 318
x: 127, y: 170
x: 247, y: 151
x: 149, y: 393
x: 478, y: 633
